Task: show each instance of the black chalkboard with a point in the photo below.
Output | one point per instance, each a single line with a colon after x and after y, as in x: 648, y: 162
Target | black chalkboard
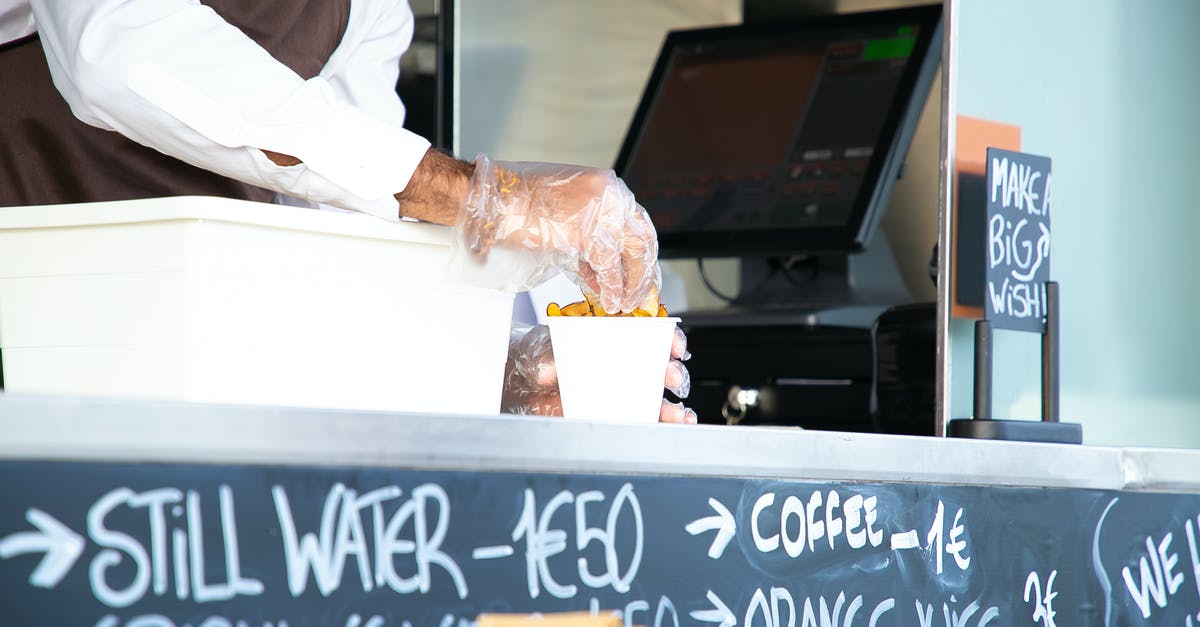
x: 159, y: 545
x: 1018, y: 239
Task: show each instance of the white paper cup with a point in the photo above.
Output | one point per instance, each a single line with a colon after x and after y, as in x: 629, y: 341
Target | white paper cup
x: 611, y: 369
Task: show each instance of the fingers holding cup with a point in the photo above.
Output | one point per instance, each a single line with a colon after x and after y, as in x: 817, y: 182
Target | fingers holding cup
x: 676, y: 413
x: 678, y: 380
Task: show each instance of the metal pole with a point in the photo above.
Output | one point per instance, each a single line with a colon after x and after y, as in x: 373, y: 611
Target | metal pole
x: 983, y: 370
x: 1050, y: 355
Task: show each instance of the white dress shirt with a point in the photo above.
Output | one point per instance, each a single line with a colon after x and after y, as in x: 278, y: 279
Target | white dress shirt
x: 174, y: 76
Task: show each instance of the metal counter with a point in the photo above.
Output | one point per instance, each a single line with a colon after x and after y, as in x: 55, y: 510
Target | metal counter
x: 53, y: 428
x: 120, y: 513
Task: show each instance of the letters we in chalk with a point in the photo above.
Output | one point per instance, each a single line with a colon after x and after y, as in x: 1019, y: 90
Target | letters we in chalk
x: 1018, y: 240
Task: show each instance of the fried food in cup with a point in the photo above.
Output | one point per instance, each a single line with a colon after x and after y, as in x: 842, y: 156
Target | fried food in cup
x: 587, y: 307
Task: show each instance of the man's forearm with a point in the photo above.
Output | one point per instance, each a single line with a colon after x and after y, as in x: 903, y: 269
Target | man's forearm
x: 434, y: 192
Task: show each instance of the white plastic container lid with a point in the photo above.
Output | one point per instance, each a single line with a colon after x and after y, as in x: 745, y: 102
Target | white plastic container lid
x: 246, y: 212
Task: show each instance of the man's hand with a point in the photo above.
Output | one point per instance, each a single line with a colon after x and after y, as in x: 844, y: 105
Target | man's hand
x: 583, y: 222
x: 531, y: 380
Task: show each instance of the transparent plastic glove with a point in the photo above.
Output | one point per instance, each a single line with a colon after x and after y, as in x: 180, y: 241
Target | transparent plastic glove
x: 583, y: 222
x: 531, y: 380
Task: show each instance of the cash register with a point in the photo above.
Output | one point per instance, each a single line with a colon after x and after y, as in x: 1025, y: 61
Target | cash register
x: 778, y: 144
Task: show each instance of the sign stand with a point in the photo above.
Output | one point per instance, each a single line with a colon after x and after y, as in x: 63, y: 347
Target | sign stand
x: 1049, y: 429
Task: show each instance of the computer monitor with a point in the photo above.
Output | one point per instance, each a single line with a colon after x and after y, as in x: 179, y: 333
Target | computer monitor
x: 781, y: 138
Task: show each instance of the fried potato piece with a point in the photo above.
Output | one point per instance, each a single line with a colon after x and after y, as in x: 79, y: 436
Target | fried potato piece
x: 580, y: 308
x: 586, y: 307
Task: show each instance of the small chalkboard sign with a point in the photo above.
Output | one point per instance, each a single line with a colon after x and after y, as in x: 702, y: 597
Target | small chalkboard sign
x: 1018, y: 240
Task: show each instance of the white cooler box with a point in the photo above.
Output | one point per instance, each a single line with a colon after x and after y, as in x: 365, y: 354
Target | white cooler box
x: 217, y: 300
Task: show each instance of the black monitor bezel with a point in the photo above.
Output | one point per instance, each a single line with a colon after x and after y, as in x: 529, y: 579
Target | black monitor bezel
x: 884, y: 165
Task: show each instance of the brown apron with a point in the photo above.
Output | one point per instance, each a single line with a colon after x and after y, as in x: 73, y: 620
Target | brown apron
x: 47, y: 156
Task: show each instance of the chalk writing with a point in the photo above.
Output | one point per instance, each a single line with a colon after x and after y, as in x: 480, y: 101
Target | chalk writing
x: 1014, y: 183
x: 60, y: 544
x: 779, y: 607
x: 809, y: 525
x: 956, y: 547
x: 1098, y: 563
x: 1043, y: 606
x: 543, y: 541
x: 719, y: 613
x: 1158, y: 578
x: 342, y: 536
x: 1018, y: 239
x: 665, y: 614
x: 724, y: 524
x: 952, y: 616
x: 375, y: 548
x: 781, y: 610
x: 354, y: 620
x: 822, y: 516
x: 189, y: 556
x: 1154, y: 574
x: 1193, y: 553
x: 158, y: 620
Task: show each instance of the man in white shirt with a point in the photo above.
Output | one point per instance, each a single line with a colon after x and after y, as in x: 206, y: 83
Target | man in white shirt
x: 288, y: 97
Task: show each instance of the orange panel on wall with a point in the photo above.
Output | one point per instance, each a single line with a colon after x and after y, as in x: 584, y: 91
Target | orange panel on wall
x: 969, y: 209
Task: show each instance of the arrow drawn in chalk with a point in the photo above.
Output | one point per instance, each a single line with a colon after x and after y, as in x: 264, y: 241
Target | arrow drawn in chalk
x: 724, y: 524
x: 61, y: 546
x: 719, y: 614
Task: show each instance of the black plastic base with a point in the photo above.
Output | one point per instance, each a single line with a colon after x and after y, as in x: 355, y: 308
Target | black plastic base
x: 1018, y: 430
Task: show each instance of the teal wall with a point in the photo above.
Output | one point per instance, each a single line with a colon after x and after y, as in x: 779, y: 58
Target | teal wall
x: 1110, y: 90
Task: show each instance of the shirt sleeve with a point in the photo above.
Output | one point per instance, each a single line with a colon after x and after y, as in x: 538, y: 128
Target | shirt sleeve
x: 16, y: 21
x: 173, y: 75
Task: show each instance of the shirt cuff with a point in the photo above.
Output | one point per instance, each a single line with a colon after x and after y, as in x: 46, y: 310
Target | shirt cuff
x: 349, y: 158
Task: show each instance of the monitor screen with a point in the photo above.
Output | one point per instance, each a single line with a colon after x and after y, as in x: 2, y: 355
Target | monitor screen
x: 779, y: 138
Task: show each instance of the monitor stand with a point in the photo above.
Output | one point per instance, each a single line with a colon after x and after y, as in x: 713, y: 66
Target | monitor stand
x: 831, y: 289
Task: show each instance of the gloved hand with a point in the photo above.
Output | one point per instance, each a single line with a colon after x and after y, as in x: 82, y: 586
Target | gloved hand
x: 583, y: 222
x: 531, y: 380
